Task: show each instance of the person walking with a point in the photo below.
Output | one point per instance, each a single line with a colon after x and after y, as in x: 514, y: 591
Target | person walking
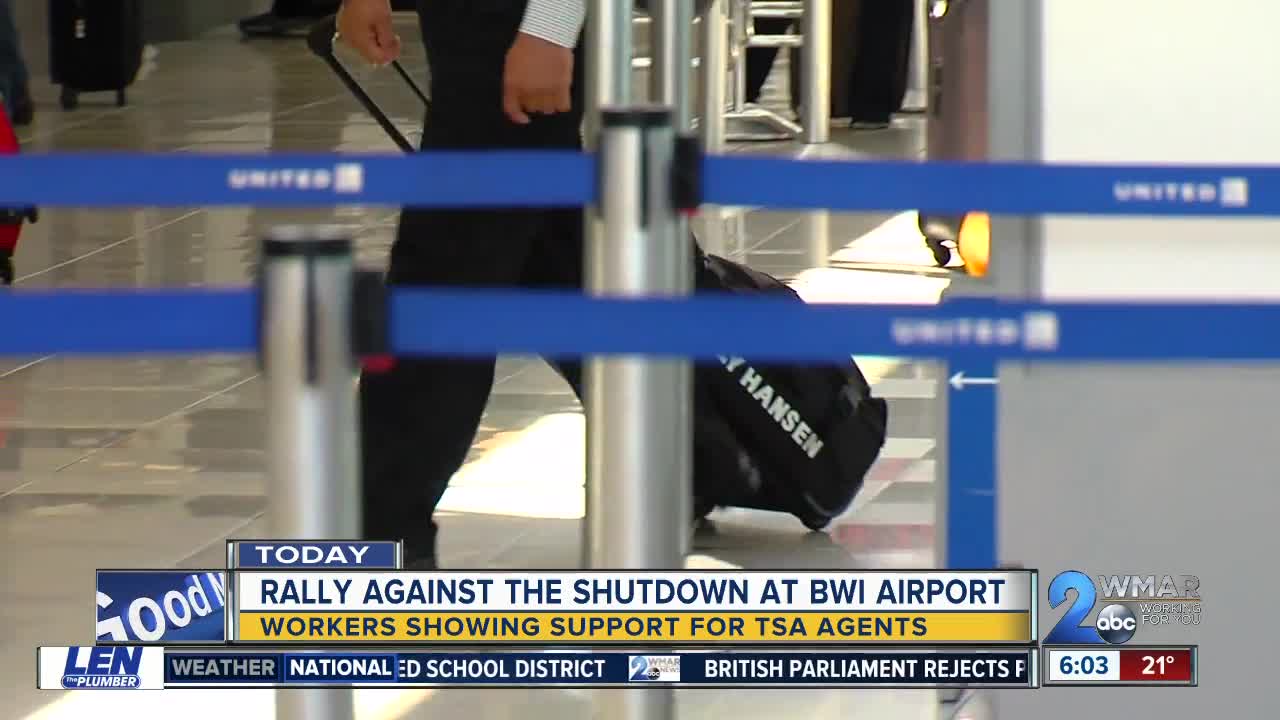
x: 15, y: 82
x: 505, y: 74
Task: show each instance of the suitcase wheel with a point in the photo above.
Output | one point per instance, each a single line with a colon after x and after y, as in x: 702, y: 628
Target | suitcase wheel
x: 70, y: 99
x: 121, y: 98
x: 816, y: 524
x: 941, y: 253
x: 940, y: 233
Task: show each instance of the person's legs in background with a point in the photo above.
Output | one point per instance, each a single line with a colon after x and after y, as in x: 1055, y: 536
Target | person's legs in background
x: 5, y: 96
x: 418, y: 420
x: 10, y: 222
x: 288, y: 17
x: 760, y: 59
x: 14, y: 80
x: 878, y: 84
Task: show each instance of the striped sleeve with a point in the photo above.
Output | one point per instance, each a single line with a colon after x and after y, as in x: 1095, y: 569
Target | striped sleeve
x: 557, y: 21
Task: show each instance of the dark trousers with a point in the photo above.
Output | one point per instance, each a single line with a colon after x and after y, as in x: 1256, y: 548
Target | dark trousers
x: 880, y: 73
x: 419, y: 420
x: 760, y: 59
x: 13, y: 71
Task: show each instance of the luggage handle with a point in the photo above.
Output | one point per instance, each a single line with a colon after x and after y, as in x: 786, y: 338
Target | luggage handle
x: 320, y: 39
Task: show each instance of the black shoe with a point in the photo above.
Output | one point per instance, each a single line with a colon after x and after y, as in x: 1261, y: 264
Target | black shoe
x: 871, y: 122
x: 24, y: 111
x: 420, y: 550
x: 870, y: 125
x: 6, y: 268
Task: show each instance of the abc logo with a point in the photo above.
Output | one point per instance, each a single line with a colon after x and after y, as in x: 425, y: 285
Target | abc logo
x: 1116, y: 624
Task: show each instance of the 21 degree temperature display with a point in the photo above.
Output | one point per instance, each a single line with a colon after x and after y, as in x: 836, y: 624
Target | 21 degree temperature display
x: 1130, y: 666
x: 1156, y: 665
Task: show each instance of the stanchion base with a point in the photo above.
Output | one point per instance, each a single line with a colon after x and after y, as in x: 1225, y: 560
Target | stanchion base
x: 915, y: 103
x: 756, y: 124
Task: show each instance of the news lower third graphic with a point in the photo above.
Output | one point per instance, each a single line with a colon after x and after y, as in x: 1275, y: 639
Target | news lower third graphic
x: 1129, y: 602
x: 161, y: 606
x: 296, y: 614
x: 153, y: 668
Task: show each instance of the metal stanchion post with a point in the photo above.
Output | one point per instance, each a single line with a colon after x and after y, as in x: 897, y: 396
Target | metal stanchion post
x: 816, y: 226
x: 671, y: 81
x: 609, y: 49
x: 918, y: 86
x: 671, y: 35
x: 714, y: 70
x: 817, y: 71
x: 742, y: 28
x: 308, y: 361
x: 638, y: 451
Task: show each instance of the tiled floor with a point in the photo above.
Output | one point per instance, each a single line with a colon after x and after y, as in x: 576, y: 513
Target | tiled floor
x: 152, y: 463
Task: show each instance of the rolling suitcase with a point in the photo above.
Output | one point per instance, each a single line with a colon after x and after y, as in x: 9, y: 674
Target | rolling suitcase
x: 94, y: 46
x: 957, y: 129
x: 793, y: 439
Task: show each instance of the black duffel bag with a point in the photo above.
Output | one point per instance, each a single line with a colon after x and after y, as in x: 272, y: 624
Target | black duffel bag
x: 787, y: 438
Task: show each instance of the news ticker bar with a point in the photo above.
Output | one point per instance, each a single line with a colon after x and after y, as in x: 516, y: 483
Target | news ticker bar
x: 1138, y: 666
x: 158, y: 668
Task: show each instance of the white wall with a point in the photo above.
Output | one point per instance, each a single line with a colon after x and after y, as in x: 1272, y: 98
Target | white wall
x: 1161, y: 81
x: 1149, y: 470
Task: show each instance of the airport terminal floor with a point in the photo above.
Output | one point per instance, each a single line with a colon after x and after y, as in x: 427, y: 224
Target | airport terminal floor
x: 155, y: 462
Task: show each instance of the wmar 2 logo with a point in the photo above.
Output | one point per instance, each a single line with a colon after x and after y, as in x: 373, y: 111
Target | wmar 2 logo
x: 1160, y: 599
x: 653, y: 668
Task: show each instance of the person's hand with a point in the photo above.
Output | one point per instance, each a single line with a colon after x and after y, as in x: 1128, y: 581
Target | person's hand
x: 365, y: 25
x: 538, y: 78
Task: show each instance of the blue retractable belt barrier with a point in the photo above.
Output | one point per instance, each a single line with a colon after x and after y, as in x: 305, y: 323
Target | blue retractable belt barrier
x: 568, y: 179
x: 129, y: 322
x: 780, y: 330
x: 977, y: 333
x: 556, y: 324
x: 439, y: 180
x: 1001, y: 188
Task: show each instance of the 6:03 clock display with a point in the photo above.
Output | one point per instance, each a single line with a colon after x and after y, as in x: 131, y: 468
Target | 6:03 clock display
x: 1084, y: 665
